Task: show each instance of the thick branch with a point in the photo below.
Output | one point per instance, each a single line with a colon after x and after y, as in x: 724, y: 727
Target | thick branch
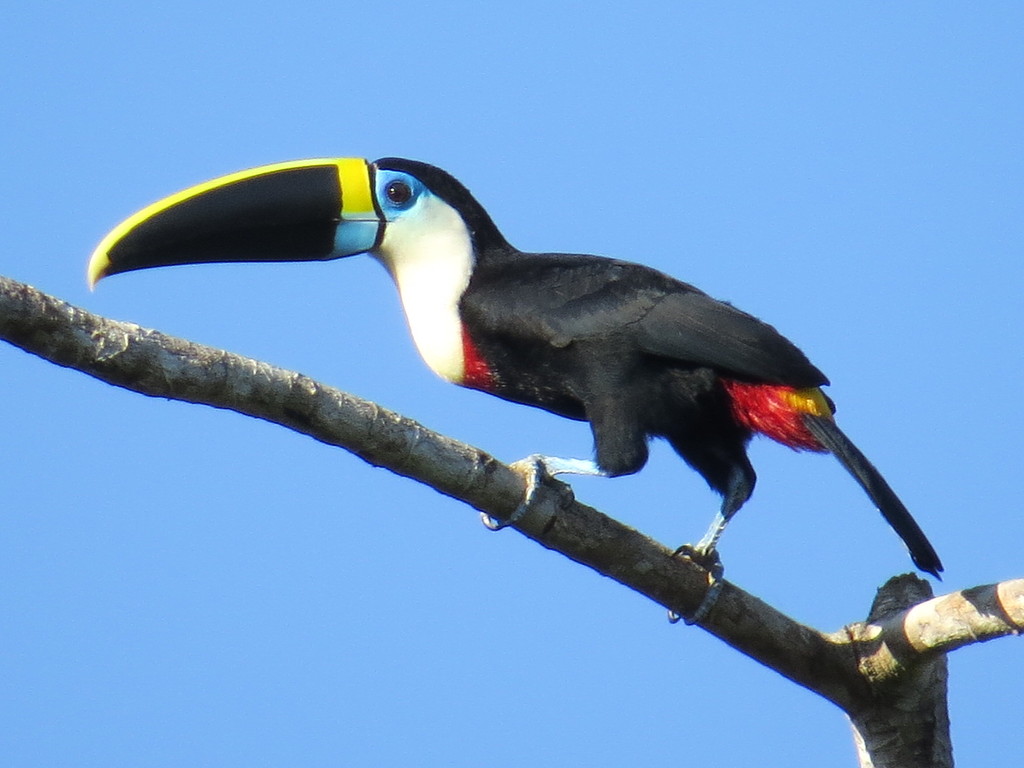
x: 154, y: 364
x: 908, y: 726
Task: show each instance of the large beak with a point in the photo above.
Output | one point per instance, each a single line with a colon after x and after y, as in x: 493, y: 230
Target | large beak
x: 307, y: 210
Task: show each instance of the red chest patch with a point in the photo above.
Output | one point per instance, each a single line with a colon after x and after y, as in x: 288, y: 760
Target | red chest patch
x: 776, y: 411
x: 476, y: 374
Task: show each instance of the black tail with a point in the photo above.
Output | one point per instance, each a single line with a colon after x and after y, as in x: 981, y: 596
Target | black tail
x: 831, y: 437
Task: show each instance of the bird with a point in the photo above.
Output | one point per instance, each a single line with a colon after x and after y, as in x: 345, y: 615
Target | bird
x: 629, y: 349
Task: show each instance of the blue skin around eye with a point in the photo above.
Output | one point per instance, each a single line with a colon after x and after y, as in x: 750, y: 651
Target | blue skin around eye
x: 384, y: 178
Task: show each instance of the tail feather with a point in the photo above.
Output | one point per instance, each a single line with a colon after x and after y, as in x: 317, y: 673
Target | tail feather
x: 856, y: 463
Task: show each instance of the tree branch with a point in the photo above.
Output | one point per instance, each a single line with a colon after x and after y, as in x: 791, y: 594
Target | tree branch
x: 850, y: 667
x: 906, y: 721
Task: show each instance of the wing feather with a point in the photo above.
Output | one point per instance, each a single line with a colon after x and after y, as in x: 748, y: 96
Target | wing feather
x: 690, y: 325
x: 566, y: 298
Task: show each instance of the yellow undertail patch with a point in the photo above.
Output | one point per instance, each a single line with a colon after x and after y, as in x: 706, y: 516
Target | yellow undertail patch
x: 811, y: 400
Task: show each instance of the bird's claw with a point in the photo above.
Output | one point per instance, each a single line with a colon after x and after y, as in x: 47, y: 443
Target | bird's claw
x: 533, y: 467
x: 712, y: 563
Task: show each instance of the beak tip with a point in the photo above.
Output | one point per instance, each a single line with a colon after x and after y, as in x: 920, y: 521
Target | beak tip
x: 99, y: 264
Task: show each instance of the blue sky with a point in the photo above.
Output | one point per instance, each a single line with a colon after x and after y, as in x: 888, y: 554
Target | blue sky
x: 184, y: 586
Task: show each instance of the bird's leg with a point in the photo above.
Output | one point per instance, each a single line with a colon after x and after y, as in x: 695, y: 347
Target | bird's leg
x: 707, y: 546
x: 540, y: 465
x: 705, y: 553
x: 738, y: 489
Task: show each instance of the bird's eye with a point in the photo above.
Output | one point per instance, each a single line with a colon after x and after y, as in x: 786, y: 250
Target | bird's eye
x: 398, y: 192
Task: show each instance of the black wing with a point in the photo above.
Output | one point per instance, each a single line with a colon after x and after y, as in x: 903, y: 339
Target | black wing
x: 690, y: 325
x: 562, y: 298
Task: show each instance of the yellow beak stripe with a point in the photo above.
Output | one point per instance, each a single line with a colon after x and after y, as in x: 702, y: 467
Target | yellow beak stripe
x: 353, y: 181
x: 356, y: 195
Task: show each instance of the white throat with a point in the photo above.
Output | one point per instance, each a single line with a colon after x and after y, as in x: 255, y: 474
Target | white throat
x: 430, y: 257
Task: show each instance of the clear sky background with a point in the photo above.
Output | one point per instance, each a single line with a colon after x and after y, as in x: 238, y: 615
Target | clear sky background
x: 185, y: 586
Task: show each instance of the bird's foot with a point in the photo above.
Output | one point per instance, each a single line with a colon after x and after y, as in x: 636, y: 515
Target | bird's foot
x: 535, y: 467
x: 710, y: 562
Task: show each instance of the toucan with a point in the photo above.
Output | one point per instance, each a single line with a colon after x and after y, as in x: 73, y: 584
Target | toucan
x: 636, y: 353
